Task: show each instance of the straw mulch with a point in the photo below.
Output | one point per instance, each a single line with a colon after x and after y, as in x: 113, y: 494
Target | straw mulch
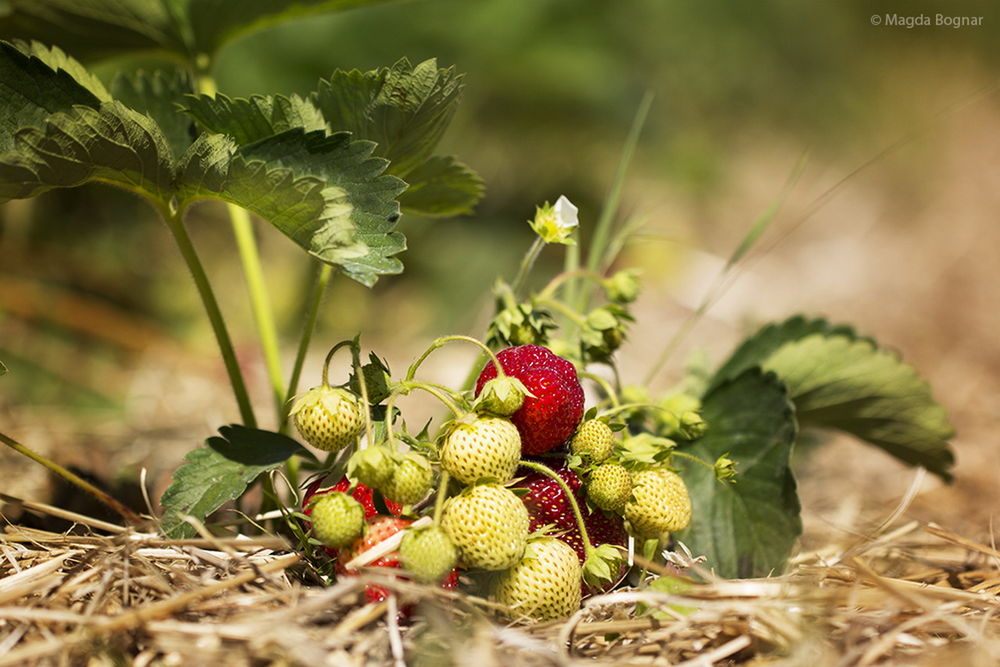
x: 101, y: 594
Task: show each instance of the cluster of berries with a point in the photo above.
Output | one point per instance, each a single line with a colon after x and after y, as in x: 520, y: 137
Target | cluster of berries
x: 520, y: 485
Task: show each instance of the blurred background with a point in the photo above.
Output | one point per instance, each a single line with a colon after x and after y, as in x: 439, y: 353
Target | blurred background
x: 892, y: 225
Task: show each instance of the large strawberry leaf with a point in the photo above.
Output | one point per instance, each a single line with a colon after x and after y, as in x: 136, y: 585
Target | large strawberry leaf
x: 32, y: 89
x: 325, y: 192
x: 157, y: 95
x: 838, y: 380
x: 113, y: 144
x: 96, y: 28
x: 219, y: 472
x: 248, y: 120
x: 441, y: 187
x: 745, y: 528
x: 57, y: 59
x: 405, y: 109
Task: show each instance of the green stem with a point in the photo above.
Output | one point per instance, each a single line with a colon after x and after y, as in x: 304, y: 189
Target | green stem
x: 186, y: 247
x: 442, y: 493
x: 624, y: 407
x: 599, y: 241
x: 573, y: 316
x: 588, y: 547
x: 362, y: 384
x: 253, y: 272
x: 433, y: 391
x: 441, y: 342
x: 527, y: 262
x: 557, y: 281
x: 128, y: 515
x: 312, y: 313
x: 692, y: 457
x: 260, y: 301
x: 603, y: 384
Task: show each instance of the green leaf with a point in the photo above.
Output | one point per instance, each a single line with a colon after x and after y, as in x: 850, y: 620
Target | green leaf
x: 404, y: 108
x: 158, y: 95
x: 840, y: 381
x: 96, y: 28
x: 113, y: 145
x: 31, y: 91
x: 57, y: 60
x: 216, y: 21
x: 768, y: 340
x: 253, y: 119
x: 746, y: 528
x: 219, y: 472
x: 441, y: 187
x: 324, y: 192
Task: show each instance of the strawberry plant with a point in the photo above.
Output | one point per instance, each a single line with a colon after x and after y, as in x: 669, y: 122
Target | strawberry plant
x: 536, y: 496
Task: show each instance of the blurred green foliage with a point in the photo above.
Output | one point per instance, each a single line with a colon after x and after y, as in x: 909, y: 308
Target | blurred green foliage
x: 551, y: 89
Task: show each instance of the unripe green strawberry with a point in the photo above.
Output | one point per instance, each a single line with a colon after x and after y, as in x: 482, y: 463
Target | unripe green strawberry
x: 593, y: 441
x: 329, y: 418
x: 488, y: 448
x: 489, y: 525
x: 411, y: 481
x: 502, y: 396
x: 544, y: 585
x: 337, y: 519
x: 659, y: 504
x: 609, y: 487
x: 428, y: 553
x: 371, y: 466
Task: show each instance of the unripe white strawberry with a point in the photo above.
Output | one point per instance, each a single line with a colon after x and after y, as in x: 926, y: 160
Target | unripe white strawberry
x: 593, y: 441
x: 411, y: 480
x: 659, y: 504
x: 337, y: 519
x: 609, y: 487
x: 329, y: 418
x: 544, y: 585
x: 428, y: 553
x: 489, y: 448
x: 489, y: 524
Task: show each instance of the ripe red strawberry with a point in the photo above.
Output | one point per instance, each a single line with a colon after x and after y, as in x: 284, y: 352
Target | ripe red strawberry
x: 549, y: 415
x: 547, y: 505
x: 361, y: 493
x: 381, y: 528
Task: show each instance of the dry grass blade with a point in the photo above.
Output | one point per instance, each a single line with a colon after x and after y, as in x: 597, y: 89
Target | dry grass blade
x: 920, y: 591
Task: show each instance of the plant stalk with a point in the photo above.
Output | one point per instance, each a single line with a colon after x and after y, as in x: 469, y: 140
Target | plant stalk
x: 128, y: 515
x: 190, y: 255
x: 588, y: 546
x: 312, y: 314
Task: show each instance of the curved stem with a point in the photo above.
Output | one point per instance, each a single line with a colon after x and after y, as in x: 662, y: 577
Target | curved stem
x: 624, y: 407
x: 588, y: 546
x: 557, y: 281
x: 329, y: 358
x: 128, y: 515
x: 441, y: 342
x: 433, y: 391
x: 527, y: 262
x: 390, y: 436
x: 603, y: 384
x: 574, y: 316
x: 190, y: 255
x: 312, y: 313
x: 362, y: 384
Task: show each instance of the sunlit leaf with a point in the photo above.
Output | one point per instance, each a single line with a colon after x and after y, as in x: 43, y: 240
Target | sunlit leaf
x: 745, y: 528
x: 219, y: 472
x: 113, y: 145
x: 157, y: 95
x: 325, y: 192
x: 252, y: 119
x: 840, y: 381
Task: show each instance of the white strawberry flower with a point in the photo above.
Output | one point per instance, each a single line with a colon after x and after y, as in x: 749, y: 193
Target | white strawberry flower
x: 555, y: 224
